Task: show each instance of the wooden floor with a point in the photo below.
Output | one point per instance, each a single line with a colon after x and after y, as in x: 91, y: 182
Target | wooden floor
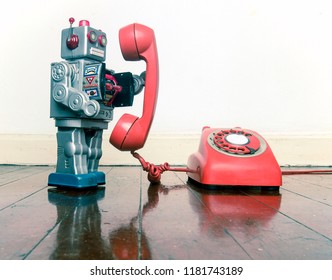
x: 129, y: 219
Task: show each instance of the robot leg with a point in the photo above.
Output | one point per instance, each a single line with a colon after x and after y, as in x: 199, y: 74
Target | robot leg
x: 94, y: 141
x: 72, y: 169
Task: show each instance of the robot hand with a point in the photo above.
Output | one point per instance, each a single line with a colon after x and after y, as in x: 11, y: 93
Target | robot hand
x: 139, y: 82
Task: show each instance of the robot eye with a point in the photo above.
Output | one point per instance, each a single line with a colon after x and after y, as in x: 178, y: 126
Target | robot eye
x: 92, y: 36
x: 102, y: 40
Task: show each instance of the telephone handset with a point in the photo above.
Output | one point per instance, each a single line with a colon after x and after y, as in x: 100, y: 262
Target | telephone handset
x: 138, y: 42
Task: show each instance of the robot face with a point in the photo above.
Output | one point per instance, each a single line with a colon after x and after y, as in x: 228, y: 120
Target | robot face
x: 83, y: 42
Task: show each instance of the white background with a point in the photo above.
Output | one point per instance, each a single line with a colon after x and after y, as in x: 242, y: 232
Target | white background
x: 263, y: 65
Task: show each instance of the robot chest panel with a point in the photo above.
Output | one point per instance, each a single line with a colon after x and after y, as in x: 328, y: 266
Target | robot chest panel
x: 92, y: 83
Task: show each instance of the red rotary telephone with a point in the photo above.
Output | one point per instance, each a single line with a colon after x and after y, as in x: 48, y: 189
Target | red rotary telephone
x: 138, y: 42
x: 234, y: 157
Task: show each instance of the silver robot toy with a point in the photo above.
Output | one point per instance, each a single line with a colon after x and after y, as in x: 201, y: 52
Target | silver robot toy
x: 83, y: 96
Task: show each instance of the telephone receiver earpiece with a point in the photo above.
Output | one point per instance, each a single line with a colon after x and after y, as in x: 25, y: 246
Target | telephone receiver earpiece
x: 138, y: 42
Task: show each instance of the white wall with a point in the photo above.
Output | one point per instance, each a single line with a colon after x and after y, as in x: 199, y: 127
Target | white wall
x: 263, y: 65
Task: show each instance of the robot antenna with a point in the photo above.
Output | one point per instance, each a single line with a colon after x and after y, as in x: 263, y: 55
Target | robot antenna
x: 72, y: 40
x: 71, y: 21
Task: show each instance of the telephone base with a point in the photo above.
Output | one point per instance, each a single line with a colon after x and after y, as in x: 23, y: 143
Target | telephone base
x: 234, y: 157
x: 266, y: 189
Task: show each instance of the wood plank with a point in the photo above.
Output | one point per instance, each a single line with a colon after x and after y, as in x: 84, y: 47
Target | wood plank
x: 18, y: 189
x: 99, y: 225
x: 131, y: 219
x: 312, y: 196
x: 30, y: 220
x: 20, y: 173
x: 25, y: 224
x: 262, y: 231
x: 312, y: 190
x: 267, y: 233
x: 175, y: 225
x: 310, y: 213
x: 253, y: 221
x: 78, y: 230
x: 120, y: 213
x: 311, y: 201
x: 10, y: 168
x: 319, y: 179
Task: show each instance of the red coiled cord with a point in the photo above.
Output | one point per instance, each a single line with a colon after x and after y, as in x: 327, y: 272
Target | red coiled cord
x: 155, y: 171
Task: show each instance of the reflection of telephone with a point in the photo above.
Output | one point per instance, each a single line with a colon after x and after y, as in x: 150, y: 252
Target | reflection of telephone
x: 234, y: 157
x: 250, y: 211
x: 138, y: 43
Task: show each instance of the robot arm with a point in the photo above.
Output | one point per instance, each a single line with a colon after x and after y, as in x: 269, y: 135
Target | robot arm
x: 62, y: 74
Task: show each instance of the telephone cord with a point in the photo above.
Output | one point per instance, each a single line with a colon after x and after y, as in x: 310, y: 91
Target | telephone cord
x: 155, y: 171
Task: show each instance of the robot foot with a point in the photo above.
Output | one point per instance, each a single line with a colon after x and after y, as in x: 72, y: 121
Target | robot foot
x: 78, y: 181
x: 100, y: 177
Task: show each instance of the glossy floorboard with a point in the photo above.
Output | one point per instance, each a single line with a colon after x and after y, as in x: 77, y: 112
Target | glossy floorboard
x: 129, y: 219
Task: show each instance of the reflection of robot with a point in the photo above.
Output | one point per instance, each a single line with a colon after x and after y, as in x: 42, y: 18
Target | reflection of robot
x: 83, y: 95
x: 79, y: 228
x: 79, y: 234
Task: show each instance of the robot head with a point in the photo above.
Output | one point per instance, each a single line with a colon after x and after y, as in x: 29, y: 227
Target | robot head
x: 83, y: 42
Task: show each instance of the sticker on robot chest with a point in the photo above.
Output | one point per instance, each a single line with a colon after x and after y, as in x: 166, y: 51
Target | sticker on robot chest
x: 91, y: 81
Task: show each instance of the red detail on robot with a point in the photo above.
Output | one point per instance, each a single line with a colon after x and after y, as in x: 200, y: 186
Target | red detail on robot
x: 112, y: 86
x: 84, y: 23
x: 72, y: 42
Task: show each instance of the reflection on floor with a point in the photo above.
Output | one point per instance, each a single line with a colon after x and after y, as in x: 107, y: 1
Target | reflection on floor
x: 131, y: 219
